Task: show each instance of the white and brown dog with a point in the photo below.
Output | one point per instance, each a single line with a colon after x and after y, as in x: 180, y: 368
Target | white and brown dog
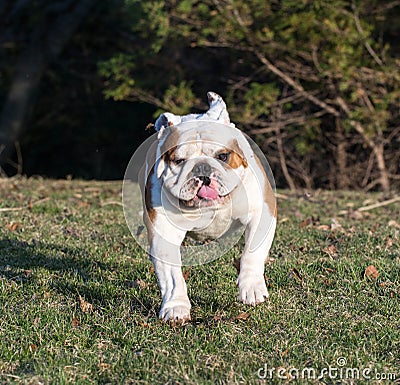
x: 200, y: 178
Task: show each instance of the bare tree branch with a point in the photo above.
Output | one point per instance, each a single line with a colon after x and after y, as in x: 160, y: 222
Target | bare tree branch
x: 362, y: 33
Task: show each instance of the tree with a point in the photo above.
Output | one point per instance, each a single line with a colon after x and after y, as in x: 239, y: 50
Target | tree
x: 315, y: 82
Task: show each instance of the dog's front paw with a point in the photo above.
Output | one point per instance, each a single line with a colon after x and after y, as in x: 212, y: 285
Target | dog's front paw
x: 175, y: 311
x: 252, y: 289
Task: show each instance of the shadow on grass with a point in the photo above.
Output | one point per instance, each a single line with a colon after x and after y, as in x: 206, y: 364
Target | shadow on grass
x: 73, y: 271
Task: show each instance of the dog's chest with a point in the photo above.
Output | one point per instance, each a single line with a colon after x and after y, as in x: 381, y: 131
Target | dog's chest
x: 212, y: 225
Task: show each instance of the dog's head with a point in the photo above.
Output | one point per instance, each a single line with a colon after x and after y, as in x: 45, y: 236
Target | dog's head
x: 198, y: 165
x: 199, y: 159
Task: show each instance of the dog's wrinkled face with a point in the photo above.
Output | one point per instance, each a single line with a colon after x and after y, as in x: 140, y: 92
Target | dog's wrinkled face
x: 198, y: 168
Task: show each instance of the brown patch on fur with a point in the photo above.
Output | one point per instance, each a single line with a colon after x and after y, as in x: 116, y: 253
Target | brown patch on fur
x: 169, y: 156
x: 169, y: 145
x: 236, y: 158
x: 269, y: 196
x: 171, y: 141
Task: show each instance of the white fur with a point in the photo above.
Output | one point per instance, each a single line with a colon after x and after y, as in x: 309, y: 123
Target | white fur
x: 171, y: 224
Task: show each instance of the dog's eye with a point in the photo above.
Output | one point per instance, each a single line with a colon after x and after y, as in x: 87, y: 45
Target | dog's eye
x: 223, y: 157
x: 178, y: 161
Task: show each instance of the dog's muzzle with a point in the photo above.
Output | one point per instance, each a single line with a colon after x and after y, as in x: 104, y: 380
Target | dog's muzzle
x: 204, y: 187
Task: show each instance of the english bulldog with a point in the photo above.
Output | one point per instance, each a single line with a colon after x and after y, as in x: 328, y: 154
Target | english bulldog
x: 201, y: 178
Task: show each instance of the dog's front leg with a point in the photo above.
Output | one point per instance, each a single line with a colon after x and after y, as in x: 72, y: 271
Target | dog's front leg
x: 167, y: 265
x: 259, y: 236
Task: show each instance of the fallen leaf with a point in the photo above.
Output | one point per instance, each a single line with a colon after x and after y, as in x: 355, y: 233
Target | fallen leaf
x: 306, y: 222
x: 393, y: 223
x: 389, y: 242
x: 186, y: 274
x: 323, y: 227
x: 242, y: 316
x: 335, y: 224
x: 283, y: 354
x: 371, y: 272
x: 139, y: 284
x: 33, y: 348
x: 330, y: 250
x: 307, y: 196
x: 356, y: 215
x: 145, y: 325
x: 75, y: 322
x: 85, y: 306
x: 13, y: 226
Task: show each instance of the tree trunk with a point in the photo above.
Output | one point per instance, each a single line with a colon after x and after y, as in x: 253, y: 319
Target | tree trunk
x: 31, y: 65
x: 342, y: 180
x: 282, y: 160
x: 379, y: 152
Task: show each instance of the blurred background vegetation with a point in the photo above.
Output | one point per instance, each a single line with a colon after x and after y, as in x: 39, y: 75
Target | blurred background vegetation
x: 315, y: 83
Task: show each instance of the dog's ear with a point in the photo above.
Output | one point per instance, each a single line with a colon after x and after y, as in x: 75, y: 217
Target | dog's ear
x: 166, y: 120
x: 167, y: 139
x: 217, y: 110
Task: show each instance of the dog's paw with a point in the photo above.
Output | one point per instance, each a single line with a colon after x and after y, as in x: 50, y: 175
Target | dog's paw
x: 175, y: 312
x: 252, y: 289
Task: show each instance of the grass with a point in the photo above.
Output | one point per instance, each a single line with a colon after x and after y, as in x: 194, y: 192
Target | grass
x: 79, y: 299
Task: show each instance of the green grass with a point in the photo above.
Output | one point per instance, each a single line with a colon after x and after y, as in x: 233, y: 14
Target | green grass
x: 79, y: 299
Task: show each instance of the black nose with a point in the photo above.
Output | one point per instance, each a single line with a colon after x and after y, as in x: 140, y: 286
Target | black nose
x: 202, y: 170
x: 205, y: 179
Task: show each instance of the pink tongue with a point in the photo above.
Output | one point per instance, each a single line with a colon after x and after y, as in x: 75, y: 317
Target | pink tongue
x: 207, y: 192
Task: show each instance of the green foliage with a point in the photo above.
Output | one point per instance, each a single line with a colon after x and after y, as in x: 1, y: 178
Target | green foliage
x: 151, y: 21
x: 118, y: 70
x: 325, y: 71
x: 257, y: 101
x: 179, y: 99
x: 306, y: 63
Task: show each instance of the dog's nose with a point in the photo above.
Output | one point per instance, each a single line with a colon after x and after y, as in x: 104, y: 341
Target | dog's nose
x: 205, y: 179
x: 202, y: 169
